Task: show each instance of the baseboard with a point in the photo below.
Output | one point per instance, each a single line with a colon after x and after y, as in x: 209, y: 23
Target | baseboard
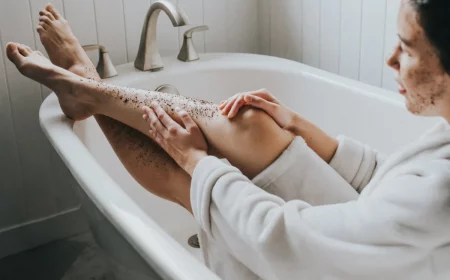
x: 31, y: 234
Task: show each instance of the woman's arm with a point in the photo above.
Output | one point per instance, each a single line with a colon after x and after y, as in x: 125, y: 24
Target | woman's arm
x: 355, y: 162
x: 372, y: 238
x: 324, y: 145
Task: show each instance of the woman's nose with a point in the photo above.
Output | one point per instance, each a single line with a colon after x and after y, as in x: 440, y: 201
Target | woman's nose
x: 392, y: 60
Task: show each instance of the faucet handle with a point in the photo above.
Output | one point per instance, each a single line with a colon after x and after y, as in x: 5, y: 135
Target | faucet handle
x: 188, y: 33
x: 105, y: 67
x: 188, y: 52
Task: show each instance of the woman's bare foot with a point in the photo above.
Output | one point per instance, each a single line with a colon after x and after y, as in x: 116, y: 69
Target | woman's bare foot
x: 36, y: 66
x: 62, y: 46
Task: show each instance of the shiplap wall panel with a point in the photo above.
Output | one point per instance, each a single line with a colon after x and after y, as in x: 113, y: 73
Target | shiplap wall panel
x: 111, y: 28
x: 311, y: 32
x: 286, y: 29
x: 390, y: 42
x: 12, y: 208
x: 330, y: 21
x: 36, y: 6
x: 135, y: 12
x: 83, y: 27
x: 25, y: 95
x: 350, y: 38
x: 372, y: 41
x: 194, y: 10
x: 242, y: 26
x: 81, y: 16
x: 264, y: 24
x: 216, y: 18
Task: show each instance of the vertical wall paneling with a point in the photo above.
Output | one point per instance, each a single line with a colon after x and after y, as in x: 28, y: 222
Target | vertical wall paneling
x: 84, y: 27
x: 25, y: 96
x: 11, y: 198
x: 390, y: 42
x: 111, y: 28
x: 286, y: 29
x: 372, y: 41
x: 194, y: 10
x: 311, y: 32
x: 216, y: 19
x: 242, y: 26
x: 350, y: 41
x: 35, y: 7
x: 264, y: 23
x: 167, y: 35
x: 135, y: 12
x: 330, y: 21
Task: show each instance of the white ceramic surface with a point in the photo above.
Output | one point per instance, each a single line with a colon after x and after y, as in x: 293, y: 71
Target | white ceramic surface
x: 158, y: 230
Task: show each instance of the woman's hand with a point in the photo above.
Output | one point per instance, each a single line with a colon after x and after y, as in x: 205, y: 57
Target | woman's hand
x: 186, y: 145
x: 261, y: 99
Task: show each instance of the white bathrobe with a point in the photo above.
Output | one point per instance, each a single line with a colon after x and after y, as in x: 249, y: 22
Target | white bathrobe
x: 361, y: 217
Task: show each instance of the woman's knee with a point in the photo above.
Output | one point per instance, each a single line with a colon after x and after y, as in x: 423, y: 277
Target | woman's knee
x: 258, y: 125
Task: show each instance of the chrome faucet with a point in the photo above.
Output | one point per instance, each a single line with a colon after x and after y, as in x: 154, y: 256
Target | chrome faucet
x: 105, y: 67
x: 148, y: 57
x: 187, y: 51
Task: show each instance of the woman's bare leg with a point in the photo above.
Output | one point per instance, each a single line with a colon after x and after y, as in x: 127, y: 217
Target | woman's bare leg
x: 144, y: 160
x: 251, y: 142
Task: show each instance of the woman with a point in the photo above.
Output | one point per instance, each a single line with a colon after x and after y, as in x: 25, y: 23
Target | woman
x: 314, y: 224
x: 398, y: 228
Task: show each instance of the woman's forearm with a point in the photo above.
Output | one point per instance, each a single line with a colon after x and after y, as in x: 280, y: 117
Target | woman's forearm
x: 320, y: 142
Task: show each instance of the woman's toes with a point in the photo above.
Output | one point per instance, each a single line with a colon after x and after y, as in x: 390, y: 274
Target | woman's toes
x: 47, y: 14
x: 23, y: 50
x: 12, y: 51
x: 40, y: 29
x: 51, y: 9
x: 45, y: 19
x: 28, y: 48
x: 43, y: 24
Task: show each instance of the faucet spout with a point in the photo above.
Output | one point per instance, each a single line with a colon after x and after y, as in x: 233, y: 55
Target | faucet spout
x: 148, y: 57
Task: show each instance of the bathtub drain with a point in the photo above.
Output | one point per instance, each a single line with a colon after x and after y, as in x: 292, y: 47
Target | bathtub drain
x: 193, y: 241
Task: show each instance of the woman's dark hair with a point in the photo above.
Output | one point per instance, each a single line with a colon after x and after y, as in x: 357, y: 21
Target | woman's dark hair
x: 434, y: 17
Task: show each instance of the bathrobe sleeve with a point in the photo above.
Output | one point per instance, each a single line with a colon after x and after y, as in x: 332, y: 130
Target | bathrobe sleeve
x: 387, y: 232
x: 355, y: 162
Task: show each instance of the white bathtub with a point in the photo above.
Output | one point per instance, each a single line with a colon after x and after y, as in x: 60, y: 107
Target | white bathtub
x: 145, y: 236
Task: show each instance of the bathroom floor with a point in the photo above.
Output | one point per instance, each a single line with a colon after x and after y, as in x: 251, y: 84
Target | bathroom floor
x: 76, y: 258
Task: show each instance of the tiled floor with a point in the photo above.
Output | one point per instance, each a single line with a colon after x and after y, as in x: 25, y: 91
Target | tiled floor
x: 76, y: 258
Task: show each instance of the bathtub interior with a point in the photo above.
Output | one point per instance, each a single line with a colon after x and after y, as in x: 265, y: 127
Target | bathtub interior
x: 335, y: 105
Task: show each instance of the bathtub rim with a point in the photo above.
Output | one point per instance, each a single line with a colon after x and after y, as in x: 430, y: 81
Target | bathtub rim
x: 165, y: 255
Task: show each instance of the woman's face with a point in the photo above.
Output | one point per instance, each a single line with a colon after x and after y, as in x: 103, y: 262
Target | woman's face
x: 421, y: 77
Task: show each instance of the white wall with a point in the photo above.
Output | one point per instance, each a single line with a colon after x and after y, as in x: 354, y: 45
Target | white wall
x: 348, y: 37
x: 35, y: 186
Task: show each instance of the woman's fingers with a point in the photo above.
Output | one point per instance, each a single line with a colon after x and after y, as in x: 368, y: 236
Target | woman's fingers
x: 165, y: 119
x: 222, y: 104
x: 188, y: 122
x: 236, y: 107
x: 261, y: 103
x: 154, y: 122
x: 229, y: 104
x: 267, y: 96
